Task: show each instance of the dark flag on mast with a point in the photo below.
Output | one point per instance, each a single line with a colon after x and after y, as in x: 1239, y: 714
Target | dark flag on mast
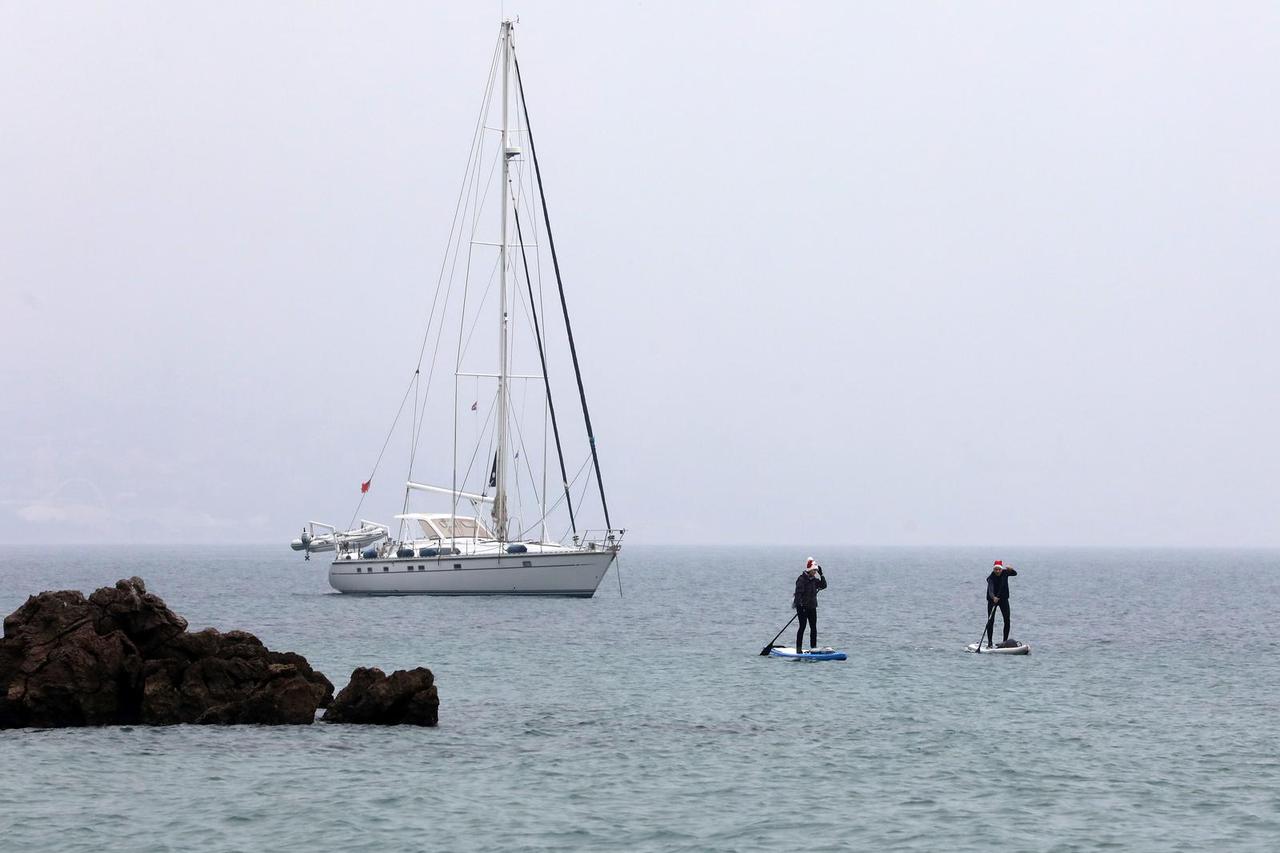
x: 493, y: 472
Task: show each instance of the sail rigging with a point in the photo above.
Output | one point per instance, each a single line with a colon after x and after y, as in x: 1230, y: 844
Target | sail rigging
x: 555, y: 260
x: 482, y: 449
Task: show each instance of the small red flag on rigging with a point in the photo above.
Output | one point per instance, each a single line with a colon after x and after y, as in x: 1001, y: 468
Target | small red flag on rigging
x: 364, y: 487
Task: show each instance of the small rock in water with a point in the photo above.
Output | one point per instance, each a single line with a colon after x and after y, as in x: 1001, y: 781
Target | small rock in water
x: 373, y: 697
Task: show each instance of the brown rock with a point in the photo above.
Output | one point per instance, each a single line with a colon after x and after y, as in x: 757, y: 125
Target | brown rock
x: 57, y: 670
x: 372, y: 697
x: 308, y: 674
x: 143, y: 617
x: 122, y: 656
x: 231, y: 678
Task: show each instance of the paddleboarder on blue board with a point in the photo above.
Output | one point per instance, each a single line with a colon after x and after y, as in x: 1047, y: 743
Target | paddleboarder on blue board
x: 998, y: 596
x: 805, y: 601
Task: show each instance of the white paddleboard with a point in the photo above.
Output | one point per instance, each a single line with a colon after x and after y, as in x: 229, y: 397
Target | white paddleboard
x: 1015, y: 647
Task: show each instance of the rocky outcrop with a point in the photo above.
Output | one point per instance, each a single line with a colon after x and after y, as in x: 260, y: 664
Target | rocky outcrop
x: 122, y: 656
x: 212, y: 677
x: 57, y: 670
x: 404, y: 697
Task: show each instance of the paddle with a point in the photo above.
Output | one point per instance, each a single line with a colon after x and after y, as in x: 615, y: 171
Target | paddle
x: 991, y: 615
x: 765, y: 651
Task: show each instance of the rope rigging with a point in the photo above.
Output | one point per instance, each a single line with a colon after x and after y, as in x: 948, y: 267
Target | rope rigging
x: 546, y: 378
x: 412, y: 382
x: 564, y: 305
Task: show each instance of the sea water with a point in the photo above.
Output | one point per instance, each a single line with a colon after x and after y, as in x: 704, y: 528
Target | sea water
x: 1147, y: 716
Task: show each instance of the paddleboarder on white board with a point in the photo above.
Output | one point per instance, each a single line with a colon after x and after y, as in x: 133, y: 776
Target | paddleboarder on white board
x: 998, y: 596
x: 805, y: 601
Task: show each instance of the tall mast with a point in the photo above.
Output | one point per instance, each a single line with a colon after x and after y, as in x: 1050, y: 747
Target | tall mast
x: 500, y: 461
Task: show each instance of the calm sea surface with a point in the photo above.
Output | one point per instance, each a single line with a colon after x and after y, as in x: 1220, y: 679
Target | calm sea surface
x: 1146, y: 717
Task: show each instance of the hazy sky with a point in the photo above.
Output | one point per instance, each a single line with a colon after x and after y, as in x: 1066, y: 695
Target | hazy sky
x: 978, y: 273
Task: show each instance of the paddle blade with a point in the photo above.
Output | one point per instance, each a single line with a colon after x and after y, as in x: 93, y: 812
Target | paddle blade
x: 764, y: 653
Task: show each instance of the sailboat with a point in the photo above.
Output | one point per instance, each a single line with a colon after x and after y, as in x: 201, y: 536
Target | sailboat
x: 503, y: 545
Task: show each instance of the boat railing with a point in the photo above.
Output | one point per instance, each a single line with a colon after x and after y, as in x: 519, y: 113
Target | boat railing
x: 609, y: 539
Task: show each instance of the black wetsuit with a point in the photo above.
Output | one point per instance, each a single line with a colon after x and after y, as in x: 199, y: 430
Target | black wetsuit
x: 805, y: 601
x: 998, y: 587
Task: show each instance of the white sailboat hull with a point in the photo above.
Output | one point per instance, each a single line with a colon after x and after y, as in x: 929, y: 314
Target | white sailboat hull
x: 562, y: 573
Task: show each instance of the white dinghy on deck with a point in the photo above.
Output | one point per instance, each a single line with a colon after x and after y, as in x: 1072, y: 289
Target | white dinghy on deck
x: 312, y: 542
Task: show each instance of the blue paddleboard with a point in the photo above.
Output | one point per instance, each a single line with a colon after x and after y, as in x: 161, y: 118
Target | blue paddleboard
x: 790, y: 653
